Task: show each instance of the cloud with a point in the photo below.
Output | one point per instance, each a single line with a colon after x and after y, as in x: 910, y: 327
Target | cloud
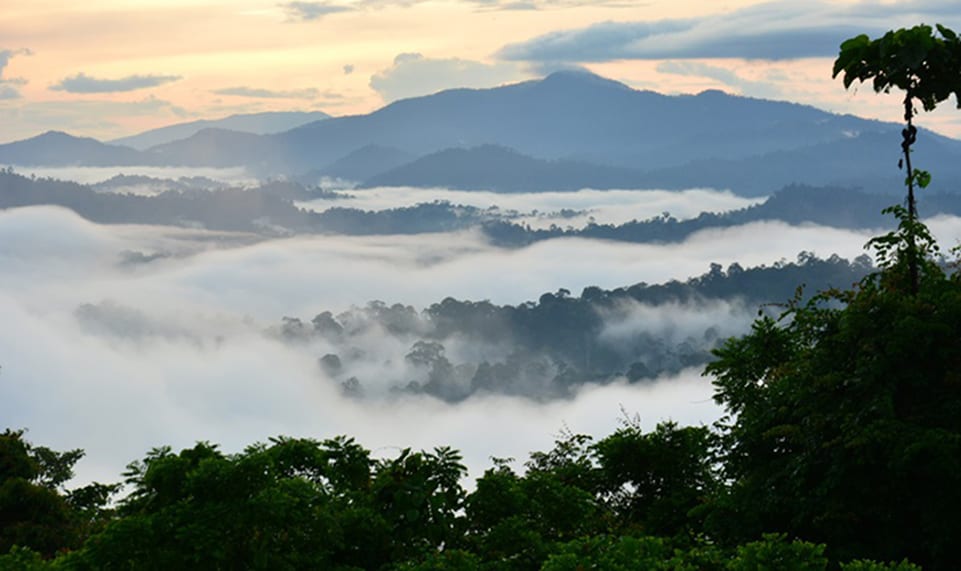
x: 412, y: 75
x: 769, y: 31
x: 316, y: 10
x: 231, y: 176
x: 510, y: 5
x: 540, y: 209
x: 174, y: 351
x: 723, y: 75
x: 674, y: 322
x: 178, y: 368
x: 7, y: 55
x: 304, y: 275
x: 9, y: 92
x: 261, y: 93
x: 677, y: 39
x: 9, y: 86
x: 82, y: 83
x: 308, y: 11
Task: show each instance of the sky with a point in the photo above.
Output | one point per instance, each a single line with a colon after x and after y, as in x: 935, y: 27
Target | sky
x: 112, y: 68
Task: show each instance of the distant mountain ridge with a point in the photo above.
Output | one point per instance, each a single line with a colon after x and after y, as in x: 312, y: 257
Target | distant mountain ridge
x: 362, y: 164
x: 500, y: 169
x: 867, y: 161
x: 575, y: 115
x: 56, y: 148
x: 569, y: 130
x: 255, y: 123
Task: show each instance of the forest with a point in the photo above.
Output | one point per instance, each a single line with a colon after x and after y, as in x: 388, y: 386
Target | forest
x: 550, y: 348
x: 840, y: 447
x: 271, y: 209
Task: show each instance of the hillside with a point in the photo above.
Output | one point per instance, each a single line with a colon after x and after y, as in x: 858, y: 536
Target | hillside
x: 254, y: 123
x: 569, y: 130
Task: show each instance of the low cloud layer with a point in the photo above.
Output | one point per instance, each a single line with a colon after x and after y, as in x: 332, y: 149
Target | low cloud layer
x: 236, y: 176
x: 261, y: 93
x: 175, y: 348
x: 541, y: 209
x: 83, y: 83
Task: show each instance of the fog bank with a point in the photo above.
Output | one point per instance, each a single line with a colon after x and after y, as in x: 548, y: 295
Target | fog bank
x: 176, y: 349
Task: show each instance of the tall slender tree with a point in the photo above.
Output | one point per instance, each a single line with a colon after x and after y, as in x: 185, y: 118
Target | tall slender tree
x: 927, y: 67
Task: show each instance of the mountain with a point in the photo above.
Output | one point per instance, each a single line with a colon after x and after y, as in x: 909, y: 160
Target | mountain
x: 254, y: 123
x: 679, y: 140
x: 57, y: 148
x: 567, y: 115
x: 866, y: 160
x: 577, y: 115
x: 580, y: 127
x: 221, y: 148
x: 496, y: 168
x: 361, y: 164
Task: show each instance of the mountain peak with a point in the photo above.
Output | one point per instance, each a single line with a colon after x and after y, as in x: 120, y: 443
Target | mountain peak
x: 53, y: 135
x: 583, y: 77
x: 61, y: 138
x: 713, y: 93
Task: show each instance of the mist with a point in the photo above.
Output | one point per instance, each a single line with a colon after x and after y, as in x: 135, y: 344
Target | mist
x: 541, y: 209
x: 216, y: 272
x: 120, y: 338
x: 237, y: 176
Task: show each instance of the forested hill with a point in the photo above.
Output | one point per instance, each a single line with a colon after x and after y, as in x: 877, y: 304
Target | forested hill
x: 569, y: 129
x: 846, y: 162
x: 827, y: 206
x: 550, y: 348
x: 269, y: 209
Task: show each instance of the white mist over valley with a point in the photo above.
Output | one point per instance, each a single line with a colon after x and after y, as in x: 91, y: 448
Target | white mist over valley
x: 185, y: 345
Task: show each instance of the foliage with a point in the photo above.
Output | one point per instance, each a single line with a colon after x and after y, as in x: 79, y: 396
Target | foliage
x: 843, y: 408
x: 21, y: 559
x: 659, y: 482
x: 266, y: 507
x: 623, y: 553
x: 775, y: 552
x: 36, y: 512
x: 927, y: 68
x: 866, y: 565
x: 624, y: 502
x: 547, y: 348
x: 914, y: 60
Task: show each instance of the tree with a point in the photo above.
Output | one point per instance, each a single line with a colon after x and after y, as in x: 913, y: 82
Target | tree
x: 923, y: 65
x: 267, y: 508
x: 419, y: 495
x: 34, y: 513
x: 844, y: 421
x: 659, y: 481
